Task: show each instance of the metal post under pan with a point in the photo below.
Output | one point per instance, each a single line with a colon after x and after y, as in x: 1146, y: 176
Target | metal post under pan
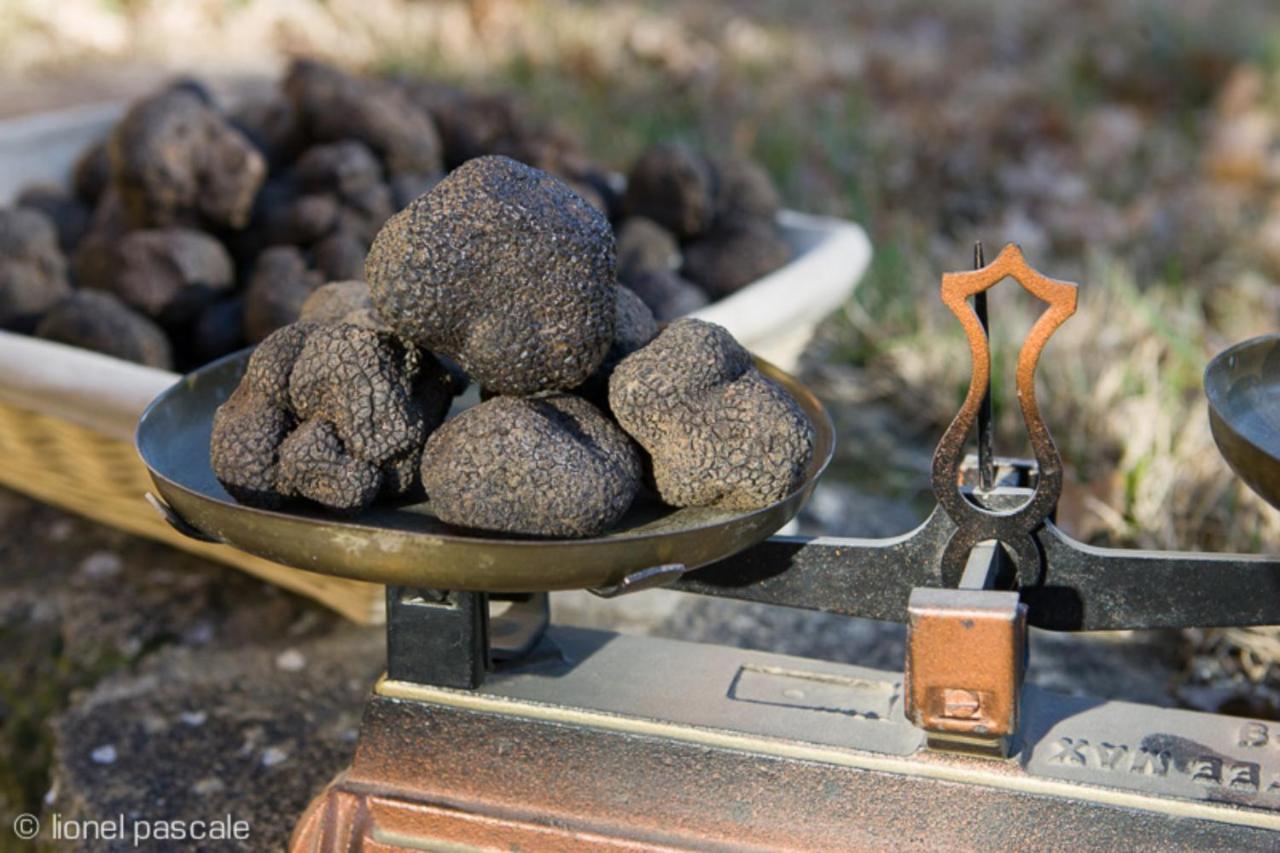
x: 706, y: 747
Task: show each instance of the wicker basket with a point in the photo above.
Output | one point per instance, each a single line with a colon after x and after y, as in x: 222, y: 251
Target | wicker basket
x: 66, y: 438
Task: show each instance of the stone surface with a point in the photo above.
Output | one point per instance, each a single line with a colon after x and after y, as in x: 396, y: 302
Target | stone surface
x: 198, y: 734
x: 172, y: 662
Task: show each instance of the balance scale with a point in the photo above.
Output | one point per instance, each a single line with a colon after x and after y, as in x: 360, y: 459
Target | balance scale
x: 493, y: 729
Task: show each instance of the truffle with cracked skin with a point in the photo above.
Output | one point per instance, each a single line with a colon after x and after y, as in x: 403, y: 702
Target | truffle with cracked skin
x: 271, y: 365
x: 316, y: 464
x: 363, y: 382
x: 674, y: 186
x: 541, y: 466
x: 176, y: 161
x: 719, y: 432
x: 244, y: 450
x: 98, y: 321
x: 331, y: 412
x: 333, y: 105
x: 504, y: 269
x: 33, y: 273
x: 169, y: 274
x: 635, y: 327
x: 340, y: 301
x: 278, y: 286
x: 730, y: 258
x: 667, y: 294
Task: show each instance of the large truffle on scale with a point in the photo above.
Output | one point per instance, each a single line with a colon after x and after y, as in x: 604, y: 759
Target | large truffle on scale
x: 719, y: 432
x: 544, y: 466
x: 504, y: 269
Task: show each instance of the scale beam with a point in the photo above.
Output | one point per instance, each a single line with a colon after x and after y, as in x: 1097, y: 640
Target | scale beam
x: 1085, y: 588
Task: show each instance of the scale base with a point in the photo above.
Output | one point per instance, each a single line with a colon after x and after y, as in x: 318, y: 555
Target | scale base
x: 599, y: 741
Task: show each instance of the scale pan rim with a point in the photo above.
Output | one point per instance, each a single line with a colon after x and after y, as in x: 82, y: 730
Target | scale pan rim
x: 1246, y: 443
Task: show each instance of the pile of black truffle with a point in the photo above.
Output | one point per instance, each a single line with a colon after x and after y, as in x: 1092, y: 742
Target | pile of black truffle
x: 506, y: 274
x: 191, y: 231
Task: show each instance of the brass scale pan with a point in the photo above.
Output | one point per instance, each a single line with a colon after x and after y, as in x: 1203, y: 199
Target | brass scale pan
x: 1243, y: 387
x: 406, y: 545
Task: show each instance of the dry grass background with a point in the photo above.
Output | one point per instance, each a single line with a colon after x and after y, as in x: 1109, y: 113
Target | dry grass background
x: 1133, y: 147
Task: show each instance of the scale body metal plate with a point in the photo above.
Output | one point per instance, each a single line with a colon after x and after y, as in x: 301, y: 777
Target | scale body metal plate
x: 605, y: 741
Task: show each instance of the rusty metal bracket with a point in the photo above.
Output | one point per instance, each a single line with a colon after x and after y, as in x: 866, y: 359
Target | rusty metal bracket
x: 974, y: 524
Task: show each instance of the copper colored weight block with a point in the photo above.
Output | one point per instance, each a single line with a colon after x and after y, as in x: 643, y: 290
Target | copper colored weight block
x: 964, y: 666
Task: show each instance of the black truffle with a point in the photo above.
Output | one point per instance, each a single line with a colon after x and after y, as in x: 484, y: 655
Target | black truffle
x: 271, y: 365
x: 362, y: 381
x: 280, y: 283
x: 33, y: 273
x: 546, y: 466
x: 340, y: 301
x: 674, y: 186
x: 92, y: 173
x: 730, y: 258
x: 218, y: 331
x: 344, y: 168
x: 349, y: 173
x: 169, y: 274
x: 244, y: 450
x: 471, y: 124
x: 405, y: 189
x: 176, y: 161
x: 643, y: 246
x: 504, y: 269
x: 340, y: 256
x: 635, y: 327
x: 334, y: 413
x: 98, y: 321
x: 69, y: 215
x: 744, y: 191
x: 298, y: 220
x: 719, y: 433
x: 667, y: 294
x: 271, y: 124
x: 315, y: 464
x: 334, y: 106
